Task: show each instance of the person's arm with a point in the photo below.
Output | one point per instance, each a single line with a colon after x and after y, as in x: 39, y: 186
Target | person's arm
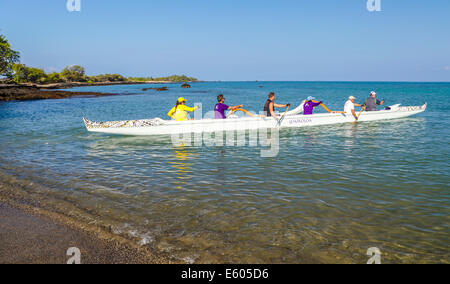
x: 358, y: 105
x: 190, y: 109
x: 171, y: 112
x: 380, y: 103
x: 235, y: 107
x: 280, y: 106
x: 354, y: 114
x: 315, y: 104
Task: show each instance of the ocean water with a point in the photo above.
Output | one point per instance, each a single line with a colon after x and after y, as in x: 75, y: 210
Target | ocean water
x: 332, y: 192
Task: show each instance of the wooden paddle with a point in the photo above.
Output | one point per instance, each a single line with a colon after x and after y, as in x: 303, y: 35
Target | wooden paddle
x: 327, y: 109
x: 284, y: 115
x: 356, y: 120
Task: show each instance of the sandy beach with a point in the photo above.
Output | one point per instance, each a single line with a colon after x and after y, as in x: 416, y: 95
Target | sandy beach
x: 29, y: 238
x: 31, y: 235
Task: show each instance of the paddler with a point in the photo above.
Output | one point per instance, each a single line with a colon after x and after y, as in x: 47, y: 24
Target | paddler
x: 349, y: 107
x: 221, y: 107
x: 270, y: 105
x: 309, y: 105
x: 371, y: 103
x: 180, y: 111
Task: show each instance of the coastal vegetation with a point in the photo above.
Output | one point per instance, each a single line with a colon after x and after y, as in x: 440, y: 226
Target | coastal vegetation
x: 12, y: 71
x: 23, y: 74
x: 173, y: 78
x: 8, y: 58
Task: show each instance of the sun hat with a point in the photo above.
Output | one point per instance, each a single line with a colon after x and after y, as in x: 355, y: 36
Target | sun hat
x: 351, y: 98
x: 310, y: 98
x: 372, y: 93
x: 180, y: 100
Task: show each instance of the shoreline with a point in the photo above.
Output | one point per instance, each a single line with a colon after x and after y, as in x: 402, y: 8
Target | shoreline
x: 29, y: 238
x: 69, y: 85
x: 27, y: 92
x: 34, y: 235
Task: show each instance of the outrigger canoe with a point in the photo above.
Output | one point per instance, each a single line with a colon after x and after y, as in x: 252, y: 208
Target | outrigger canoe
x: 157, y: 126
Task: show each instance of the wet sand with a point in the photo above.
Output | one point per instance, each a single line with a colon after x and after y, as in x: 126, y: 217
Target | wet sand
x: 26, y: 238
x: 31, y: 233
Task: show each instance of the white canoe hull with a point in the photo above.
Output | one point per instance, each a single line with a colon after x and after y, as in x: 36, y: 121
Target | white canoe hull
x: 250, y: 123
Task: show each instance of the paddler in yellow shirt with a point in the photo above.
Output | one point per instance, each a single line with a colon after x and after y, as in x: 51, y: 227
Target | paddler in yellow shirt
x: 180, y: 111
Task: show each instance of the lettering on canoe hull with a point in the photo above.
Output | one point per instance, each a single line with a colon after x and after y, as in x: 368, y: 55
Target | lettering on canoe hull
x: 300, y: 121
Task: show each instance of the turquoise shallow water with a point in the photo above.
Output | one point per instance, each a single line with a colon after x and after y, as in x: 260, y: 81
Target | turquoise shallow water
x: 330, y: 194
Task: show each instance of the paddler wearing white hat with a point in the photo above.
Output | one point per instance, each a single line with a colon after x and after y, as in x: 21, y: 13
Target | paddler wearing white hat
x: 371, y: 103
x: 349, y: 107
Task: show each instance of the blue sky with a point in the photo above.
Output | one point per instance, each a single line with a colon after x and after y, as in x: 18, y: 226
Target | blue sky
x: 298, y: 40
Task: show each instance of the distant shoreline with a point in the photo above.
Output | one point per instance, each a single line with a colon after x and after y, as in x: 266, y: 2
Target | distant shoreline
x: 26, y: 92
x: 84, y: 84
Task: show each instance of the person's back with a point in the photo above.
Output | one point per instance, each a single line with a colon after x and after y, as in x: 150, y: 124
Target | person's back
x: 221, y: 107
x: 219, y: 111
x: 267, y: 107
x: 309, y: 106
x: 180, y: 111
x: 349, y: 107
x: 372, y: 103
x: 270, y: 105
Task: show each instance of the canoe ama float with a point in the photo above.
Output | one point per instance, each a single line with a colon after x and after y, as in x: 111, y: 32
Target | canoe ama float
x: 157, y: 126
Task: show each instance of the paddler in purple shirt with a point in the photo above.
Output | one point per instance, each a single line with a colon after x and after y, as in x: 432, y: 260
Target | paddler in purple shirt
x: 220, y: 108
x: 309, y: 106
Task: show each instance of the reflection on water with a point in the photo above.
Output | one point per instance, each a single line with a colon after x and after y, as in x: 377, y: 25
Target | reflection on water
x: 183, y: 164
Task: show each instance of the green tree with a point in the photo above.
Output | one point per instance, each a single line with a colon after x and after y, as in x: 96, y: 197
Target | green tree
x: 20, y: 73
x: 108, y: 78
x: 8, y: 57
x: 36, y: 75
x: 24, y: 74
x: 54, y: 78
x: 74, y: 73
x: 173, y: 78
x: 177, y: 78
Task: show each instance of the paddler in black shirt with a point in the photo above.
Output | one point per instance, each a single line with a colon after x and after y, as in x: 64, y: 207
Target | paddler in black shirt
x: 270, y: 105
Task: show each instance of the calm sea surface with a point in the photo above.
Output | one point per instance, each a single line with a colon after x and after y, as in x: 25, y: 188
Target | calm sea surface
x: 330, y: 194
